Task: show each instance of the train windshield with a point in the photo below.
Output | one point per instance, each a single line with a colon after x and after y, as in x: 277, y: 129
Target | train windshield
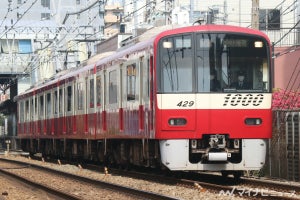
x: 213, y: 62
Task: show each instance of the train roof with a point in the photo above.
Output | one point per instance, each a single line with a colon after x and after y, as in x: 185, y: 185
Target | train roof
x: 213, y: 28
x: 143, y: 42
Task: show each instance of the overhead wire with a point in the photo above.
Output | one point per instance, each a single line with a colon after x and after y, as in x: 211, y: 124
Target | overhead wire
x: 141, y: 8
x: 292, y: 81
x: 10, y: 28
x: 280, y: 4
x: 58, y: 42
x: 284, y: 101
x: 10, y: 10
x: 92, y: 35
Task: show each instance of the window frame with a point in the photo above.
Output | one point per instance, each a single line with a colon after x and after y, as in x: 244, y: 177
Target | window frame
x: 113, y: 93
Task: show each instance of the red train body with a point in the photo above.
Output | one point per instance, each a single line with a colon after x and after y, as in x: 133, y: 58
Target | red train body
x: 154, y: 103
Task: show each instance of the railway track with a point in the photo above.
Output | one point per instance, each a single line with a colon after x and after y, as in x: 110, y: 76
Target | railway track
x: 25, y: 173
x: 247, y: 188
x: 55, y: 193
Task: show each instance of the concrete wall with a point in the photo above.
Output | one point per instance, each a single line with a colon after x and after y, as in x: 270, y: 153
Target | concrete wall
x: 287, y: 68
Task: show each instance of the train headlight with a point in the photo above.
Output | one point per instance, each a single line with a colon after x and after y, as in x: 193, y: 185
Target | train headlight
x: 258, y: 44
x: 177, y: 122
x: 253, y: 121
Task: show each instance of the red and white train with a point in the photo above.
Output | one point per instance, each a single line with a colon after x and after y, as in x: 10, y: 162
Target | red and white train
x: 172, y: 100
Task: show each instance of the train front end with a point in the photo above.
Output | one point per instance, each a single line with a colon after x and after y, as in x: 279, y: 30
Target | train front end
x: 213, y: 98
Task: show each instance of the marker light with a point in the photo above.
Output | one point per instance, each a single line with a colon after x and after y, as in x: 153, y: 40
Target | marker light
x: 253, y: 121
x: 177, y: 121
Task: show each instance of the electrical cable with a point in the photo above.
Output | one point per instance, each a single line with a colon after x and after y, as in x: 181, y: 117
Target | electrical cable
x: 18, y: 19
x: 290, y: 85
x: 8, y: 11
x: 57, y: 43
x: 51, y: 58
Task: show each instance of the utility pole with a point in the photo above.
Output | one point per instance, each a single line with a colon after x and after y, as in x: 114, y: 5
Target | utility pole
x: 255, y: 14
x: 225, y: 13
x: 168, y: 11
x: 192, y: 5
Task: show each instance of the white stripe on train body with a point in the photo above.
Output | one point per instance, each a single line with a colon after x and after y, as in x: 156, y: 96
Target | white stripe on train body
x: 214, y: 101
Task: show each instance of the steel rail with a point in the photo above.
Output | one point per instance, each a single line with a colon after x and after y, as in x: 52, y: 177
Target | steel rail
x: 47, y: 189
x: 115, y: 187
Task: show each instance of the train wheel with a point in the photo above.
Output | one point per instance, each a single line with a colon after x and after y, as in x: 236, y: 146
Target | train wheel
x: 225, y: 174
x: 237, y: 176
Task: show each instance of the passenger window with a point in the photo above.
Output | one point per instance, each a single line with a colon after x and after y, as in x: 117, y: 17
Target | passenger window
x: 35, y: 107
x: 80, y: 96
x: 113, y: 92
x: 177, y: 64
x: 27, y: 110
x: 92, y: 94
x: 99, y: 90
x: 60, y: 100
x: 69, y: 98
x: 41, y: 107
x: 48, y: 105
x: 21, y: 111
x: 31, y: 110
x: 131, y: 82
x: 55, y: 102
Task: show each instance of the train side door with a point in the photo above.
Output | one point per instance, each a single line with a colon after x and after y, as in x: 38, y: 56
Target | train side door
x: 99, y: 102
x: 112, y: 95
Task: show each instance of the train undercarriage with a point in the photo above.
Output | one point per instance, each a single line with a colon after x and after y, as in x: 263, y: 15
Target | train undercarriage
x: 107, y: 151
x: 211, y: 153
x: 215, y: 148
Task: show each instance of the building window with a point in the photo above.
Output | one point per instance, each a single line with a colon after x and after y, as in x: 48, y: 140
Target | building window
x: 45, y: 3
x: 19, y: 1
x: 25, y: 46
x: 77, y: 2
x: 269, y: 19
x: 15, y: 46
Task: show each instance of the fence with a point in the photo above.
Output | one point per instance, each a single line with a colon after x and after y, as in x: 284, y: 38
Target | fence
x: 284, y: 147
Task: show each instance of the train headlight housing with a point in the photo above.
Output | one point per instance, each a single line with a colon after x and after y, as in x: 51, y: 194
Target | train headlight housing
x: 258, y: 44
x: 177, y: 122
x: 253, y: 121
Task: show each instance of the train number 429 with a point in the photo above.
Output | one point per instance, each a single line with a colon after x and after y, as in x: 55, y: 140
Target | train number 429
x: 185, y: 103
